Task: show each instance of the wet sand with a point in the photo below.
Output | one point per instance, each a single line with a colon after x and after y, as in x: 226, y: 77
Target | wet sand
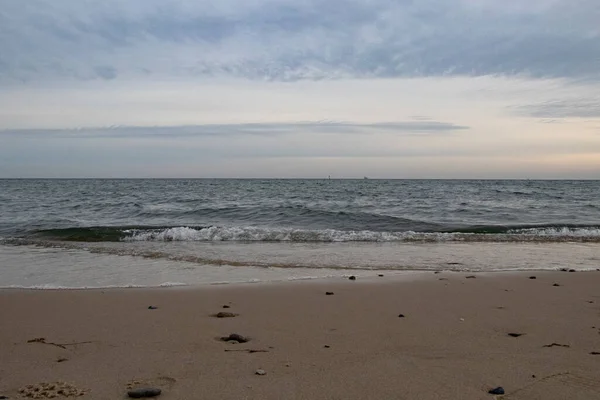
x: 452, y: 343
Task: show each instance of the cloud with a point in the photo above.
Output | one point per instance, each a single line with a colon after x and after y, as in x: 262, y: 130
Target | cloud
x: 260, y: 129
x: 299, y: 39
x: 569, y: 108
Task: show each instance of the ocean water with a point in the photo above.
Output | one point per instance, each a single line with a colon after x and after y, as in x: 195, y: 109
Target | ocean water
x: 105, y: 233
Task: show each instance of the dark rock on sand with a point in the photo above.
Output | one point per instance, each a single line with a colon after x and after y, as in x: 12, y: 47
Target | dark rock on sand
x: 3, y: 397
x: 498, y: 390
x: 515, y: 334
x: 556, y: 284
x: 223, y: 314
x: 327, y: 346
x: 152, y: 307
x: 572, y: 270
x: 352, y: 278
x: 471, y: 277
x: 144, y: 392
x: 532, y: 277
x: 401, y: 316
x: 234, y: 337
x: 595, y: 353
x: 260, y: 372
x: 62, y: 359
x: 556, y: 345
x: 329, y: 293
x: 226, y: 306
x: 380, y: 275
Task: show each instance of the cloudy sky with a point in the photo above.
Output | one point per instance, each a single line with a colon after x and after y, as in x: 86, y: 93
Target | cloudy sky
x: 302, y: 88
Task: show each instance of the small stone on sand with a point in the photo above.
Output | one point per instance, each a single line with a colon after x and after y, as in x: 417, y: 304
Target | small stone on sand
x: 327, y: 346
x: 380, y: 275
x: 555, y: 284
x: 234, y: 337
x: 515, y: 334
x: 226, y: 306
x: 223, y: 314
x: 595, y: 353
x: 329, y: 293
x: 498, y: 390
x: 572, y: 270
x: 556, y: 345
x: 144, y: 392
x: 152, y: 307
x: 471, y: 277
x: 260, y: 372
x: 401, y: 316
x: 532, y: 277
x: 352, y: 278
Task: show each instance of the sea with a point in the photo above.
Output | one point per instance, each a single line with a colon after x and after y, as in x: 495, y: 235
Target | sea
x: 101, y: 233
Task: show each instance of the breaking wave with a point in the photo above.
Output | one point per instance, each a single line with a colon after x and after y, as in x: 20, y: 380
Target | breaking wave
x: 262, y: 234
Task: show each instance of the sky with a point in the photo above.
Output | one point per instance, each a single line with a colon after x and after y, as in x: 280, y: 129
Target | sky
x: 306, y: 88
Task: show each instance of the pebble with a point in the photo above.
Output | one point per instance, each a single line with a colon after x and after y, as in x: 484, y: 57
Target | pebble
x: 352, y: 278
x: 572, y: 270
x: 234, y: 337
x: 556, y: 284
x: 595, y: 353
x: 532, y: 277
x: 515, y: 334
x: 144, y: 392
x: 3, y: 397
x: 471, y: 277
x: 327, y: 346
x: 498, y: 390
x: 380, y: 275
x: 401, y: 316
x: 329, y: 293
x: 260, y: 372
x: 226, y: 306
x: 152, y: 307
x: 225, y: 315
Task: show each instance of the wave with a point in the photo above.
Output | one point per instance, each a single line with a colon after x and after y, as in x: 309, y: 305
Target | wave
x: 486, y: 233
x: 297, y: 215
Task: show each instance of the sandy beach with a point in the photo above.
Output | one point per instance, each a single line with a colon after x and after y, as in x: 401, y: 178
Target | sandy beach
x: 452, y: 343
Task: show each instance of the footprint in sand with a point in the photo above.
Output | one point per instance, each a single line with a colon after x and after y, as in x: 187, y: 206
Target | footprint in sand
x: 51, y: 390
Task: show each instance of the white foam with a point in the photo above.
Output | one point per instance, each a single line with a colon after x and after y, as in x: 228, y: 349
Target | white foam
x: 558, y: 232
x: 277, y: 235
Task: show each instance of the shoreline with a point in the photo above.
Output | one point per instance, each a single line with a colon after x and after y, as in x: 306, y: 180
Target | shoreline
x: 389, y: 276
x: 452, y: 342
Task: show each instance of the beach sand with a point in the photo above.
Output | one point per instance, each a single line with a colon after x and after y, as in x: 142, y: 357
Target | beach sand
x: 452, y: 343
